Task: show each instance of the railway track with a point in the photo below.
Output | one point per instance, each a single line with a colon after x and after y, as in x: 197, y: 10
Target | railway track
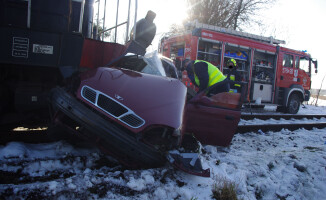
x: 40, y: 136
x: 279, y: 127
x: 280, y: 116
x: 297, y: 123
x: 27, y: 136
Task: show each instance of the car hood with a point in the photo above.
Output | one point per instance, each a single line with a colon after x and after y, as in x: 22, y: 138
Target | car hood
x: 155, y: 99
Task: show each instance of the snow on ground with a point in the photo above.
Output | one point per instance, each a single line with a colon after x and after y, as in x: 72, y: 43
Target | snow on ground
x: 272, y: 165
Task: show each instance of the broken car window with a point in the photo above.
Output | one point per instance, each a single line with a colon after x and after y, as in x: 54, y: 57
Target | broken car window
x: 154, y: 64
x: 149, y: 64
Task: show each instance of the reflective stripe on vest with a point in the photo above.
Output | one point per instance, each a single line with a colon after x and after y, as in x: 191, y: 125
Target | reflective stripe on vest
x: 215, y: 75
x: 232, y: 78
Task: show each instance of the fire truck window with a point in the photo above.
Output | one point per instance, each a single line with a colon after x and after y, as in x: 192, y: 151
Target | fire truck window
x: 210, y: 52
x: 287, y: 60
x: 304, y: 65
x: 177, y: 51
x: 297, y: 62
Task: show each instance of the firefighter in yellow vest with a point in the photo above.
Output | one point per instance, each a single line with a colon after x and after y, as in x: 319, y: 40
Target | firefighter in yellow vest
x: 204, y: 74
x: 233, y: 75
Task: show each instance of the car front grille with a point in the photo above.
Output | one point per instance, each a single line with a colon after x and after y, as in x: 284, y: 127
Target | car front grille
x: 89, y: 94
x: 112, y: 107
x: 132, y: 119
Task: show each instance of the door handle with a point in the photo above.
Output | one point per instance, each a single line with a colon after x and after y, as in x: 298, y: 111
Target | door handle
x: 229, y: 117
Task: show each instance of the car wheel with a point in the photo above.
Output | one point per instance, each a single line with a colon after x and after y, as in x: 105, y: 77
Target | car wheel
x: 293, y: 104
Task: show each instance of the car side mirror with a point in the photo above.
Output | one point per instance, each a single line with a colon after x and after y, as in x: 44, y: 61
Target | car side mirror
x: 315, y: 62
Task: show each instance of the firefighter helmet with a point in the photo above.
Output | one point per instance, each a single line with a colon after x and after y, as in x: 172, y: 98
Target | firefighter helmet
x: 233, y: 62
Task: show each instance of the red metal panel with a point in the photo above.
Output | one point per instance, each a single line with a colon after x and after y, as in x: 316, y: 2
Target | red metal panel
x: 188, y: 47
x: 250, y: 73
x: 292, y: 74
x: 166, y: 49
x: 190, y: 51
x: 294, y: 51
x: 305, y: 79
x: 222, y: 58
x: 97, y: 53
x: 194, y: 47
x: 286, y: 74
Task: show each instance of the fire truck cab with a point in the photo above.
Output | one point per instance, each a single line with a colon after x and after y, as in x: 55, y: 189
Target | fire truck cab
x: 273, y: 74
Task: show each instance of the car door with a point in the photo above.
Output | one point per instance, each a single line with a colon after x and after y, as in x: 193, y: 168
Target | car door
x: 213, y: 120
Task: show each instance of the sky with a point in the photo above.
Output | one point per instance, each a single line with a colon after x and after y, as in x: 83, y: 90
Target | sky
x: 298, y: 22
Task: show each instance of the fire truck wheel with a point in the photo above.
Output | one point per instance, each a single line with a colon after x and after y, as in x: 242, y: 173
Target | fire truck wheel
x: 280, y: 109
x: 293, y: 104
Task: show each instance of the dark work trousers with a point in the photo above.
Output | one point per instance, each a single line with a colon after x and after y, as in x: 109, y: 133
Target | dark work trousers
x: 219, y: 87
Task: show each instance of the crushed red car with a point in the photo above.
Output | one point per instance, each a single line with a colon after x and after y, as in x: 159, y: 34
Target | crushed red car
x: 137, y: 115
x: 138, y: 111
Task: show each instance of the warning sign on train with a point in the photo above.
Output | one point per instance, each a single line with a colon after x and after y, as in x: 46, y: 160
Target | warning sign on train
x: 43, y: 49
x: 20, y: 47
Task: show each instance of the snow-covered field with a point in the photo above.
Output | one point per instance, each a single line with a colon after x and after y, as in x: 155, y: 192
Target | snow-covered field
x: 272, y: 165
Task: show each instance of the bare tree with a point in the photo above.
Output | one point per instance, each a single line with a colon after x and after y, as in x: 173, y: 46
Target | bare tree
x: 174, y: 29
x: 100, y: 31
x: 226, y: 13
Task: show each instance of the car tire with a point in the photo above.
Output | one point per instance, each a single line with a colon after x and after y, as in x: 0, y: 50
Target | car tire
x: 293, y: 105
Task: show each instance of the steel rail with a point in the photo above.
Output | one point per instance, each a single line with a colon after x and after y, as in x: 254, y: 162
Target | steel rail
x: 28, y: 136
x: 40, y: 136
x: 279, y: 116
x: 279, y: 127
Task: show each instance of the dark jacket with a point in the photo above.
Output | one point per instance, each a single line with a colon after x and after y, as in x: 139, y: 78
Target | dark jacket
x: 235, y: 73
x: 201, y: 70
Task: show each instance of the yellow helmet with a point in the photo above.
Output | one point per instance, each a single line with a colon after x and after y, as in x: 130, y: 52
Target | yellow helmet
x: 233, y: 61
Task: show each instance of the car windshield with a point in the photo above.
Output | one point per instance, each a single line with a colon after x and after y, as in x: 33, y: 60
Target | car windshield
x: 154, y: 65
x: 149, y: 64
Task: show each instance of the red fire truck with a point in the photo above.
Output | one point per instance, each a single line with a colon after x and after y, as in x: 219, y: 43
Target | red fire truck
x: 274, y: 74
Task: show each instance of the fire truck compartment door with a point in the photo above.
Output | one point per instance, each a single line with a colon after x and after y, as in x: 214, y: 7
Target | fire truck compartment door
x: 263, y: 91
